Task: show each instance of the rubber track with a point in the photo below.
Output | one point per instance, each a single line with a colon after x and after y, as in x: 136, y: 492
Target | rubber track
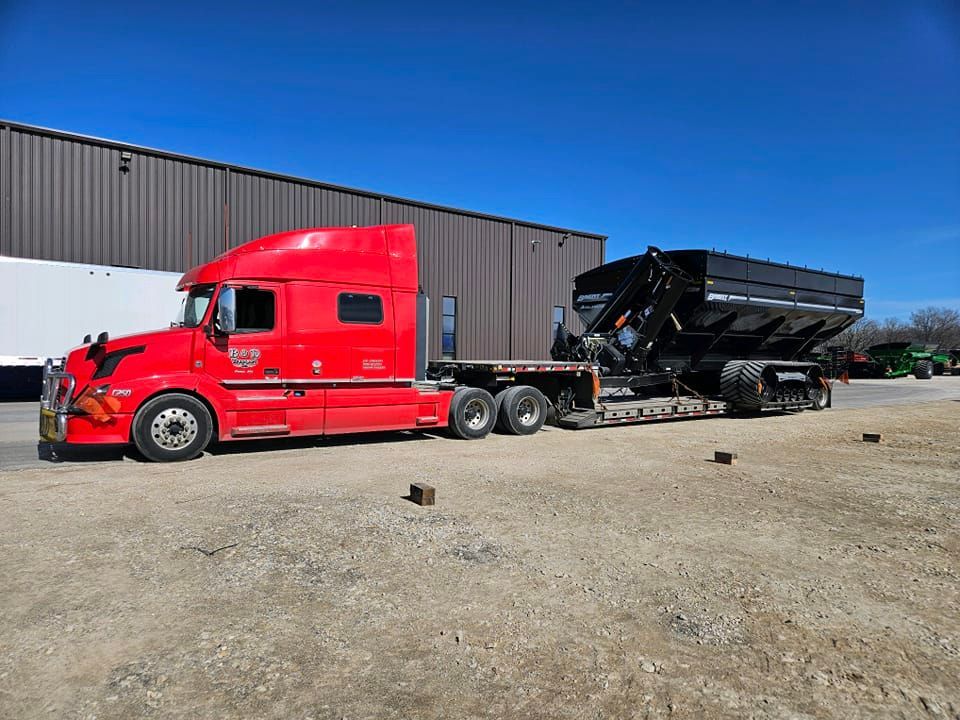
x: 730, y: 381
x: 738, y: 383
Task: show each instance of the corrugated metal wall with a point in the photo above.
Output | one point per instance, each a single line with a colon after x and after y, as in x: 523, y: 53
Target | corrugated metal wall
x: 467, y: 258
x: 544, y: 265
x: 262, y: 205
x: 79, y: 199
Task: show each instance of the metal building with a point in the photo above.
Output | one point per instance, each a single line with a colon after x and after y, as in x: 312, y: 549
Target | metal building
x: 496, y: 284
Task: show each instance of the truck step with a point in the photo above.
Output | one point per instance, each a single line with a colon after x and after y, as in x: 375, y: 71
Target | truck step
x: 251, y: 430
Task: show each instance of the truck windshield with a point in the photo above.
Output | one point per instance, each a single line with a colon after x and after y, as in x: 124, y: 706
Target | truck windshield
x: 194, y: 305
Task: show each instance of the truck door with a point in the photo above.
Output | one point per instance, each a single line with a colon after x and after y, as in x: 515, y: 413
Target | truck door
x: 372, y: 340
x: 248, y: 362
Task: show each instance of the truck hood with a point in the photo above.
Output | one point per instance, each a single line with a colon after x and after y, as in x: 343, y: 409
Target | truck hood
x: 132, y: 356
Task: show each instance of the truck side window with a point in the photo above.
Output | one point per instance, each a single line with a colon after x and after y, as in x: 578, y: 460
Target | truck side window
x: 449, y: 335
x: 359, y: 308
x: 256, y: 310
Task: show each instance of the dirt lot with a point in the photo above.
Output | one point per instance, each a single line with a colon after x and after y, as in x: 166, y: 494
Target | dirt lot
x: 613, y: 573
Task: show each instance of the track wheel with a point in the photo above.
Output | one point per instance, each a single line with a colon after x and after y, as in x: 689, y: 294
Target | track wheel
x: 923, y: 370
x: 523, y: 410
x: 472, y: 413
x: 172, y: 427
x: 818, y: 391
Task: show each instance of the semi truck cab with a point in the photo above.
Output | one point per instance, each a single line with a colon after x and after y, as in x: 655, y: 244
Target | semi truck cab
x: 307, y: 332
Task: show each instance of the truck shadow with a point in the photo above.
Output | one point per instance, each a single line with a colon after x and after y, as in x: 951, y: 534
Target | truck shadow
x: 62, y: 452
x: 297, y: 443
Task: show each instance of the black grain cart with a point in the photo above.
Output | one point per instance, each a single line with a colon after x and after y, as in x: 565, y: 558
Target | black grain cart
x: 678, y: 334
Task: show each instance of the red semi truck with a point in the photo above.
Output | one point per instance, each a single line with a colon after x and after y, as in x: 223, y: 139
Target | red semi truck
x: 323, y: 332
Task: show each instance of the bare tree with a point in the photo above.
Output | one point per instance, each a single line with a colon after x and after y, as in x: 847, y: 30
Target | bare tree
x: 939, y: 326
x: 932, y: 326
x: 893, y: 330
x: 859, y: 336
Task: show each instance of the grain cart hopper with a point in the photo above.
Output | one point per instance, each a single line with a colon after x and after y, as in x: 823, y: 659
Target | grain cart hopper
x: 724, y: 329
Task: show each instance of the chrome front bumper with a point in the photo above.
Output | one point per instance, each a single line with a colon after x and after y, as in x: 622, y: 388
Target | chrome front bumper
x: 55, y: 397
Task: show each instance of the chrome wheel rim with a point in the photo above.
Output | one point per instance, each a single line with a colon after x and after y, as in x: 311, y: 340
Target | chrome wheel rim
x: 475, y: 413
x: 174, y: 428
x: 528, y: 411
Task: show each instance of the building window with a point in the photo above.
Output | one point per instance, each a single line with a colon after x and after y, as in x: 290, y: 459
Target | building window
x: 359, y: 308
x: 256, y: 310
x: 448, y: 346
x: 559, y: 317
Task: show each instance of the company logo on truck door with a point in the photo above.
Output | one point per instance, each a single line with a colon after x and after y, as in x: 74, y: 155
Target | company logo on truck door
x: 244, y: 357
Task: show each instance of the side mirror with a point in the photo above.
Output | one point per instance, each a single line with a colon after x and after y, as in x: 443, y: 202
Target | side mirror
x: 227, y: 310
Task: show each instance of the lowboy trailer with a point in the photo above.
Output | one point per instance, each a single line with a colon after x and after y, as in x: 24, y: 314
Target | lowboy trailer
x: 683, y: 334
x: 323, y: 332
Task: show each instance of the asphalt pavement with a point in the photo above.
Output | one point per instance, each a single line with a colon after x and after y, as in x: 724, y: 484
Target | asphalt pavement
x: 870, y: 393
x: 19, y: 421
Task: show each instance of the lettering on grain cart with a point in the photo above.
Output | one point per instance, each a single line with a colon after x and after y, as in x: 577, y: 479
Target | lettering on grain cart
x: 323, y: 332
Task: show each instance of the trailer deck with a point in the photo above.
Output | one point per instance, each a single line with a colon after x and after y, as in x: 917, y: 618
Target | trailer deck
x: 617, y: 412
x: 512, y: 366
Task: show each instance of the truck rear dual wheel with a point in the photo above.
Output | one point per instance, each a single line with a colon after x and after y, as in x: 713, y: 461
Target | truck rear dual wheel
x: 923, y: 370
x: 473, y: 413
x: 523, y: 410
x: 172, y: 427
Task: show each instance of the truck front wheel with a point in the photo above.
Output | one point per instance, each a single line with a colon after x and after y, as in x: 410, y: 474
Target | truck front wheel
x: 522, y: 410
x: 473, y: 413
x: 172, y: 427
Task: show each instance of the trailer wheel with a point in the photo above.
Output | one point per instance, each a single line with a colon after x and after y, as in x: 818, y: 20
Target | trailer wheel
x: 172, y: 427
x: 473, y: 413
x: 498, y: 401
x: 923, y: 370
x: 522, y: 411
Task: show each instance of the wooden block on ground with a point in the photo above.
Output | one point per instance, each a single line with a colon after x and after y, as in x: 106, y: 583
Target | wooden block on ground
x: 725, y: 458
x: 872, y: 437
x: 422, y: 494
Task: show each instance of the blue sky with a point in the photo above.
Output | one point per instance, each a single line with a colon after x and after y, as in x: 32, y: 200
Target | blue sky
x: 820, y: 133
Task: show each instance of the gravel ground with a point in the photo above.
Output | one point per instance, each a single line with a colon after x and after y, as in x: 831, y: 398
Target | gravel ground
x: 611, y: 573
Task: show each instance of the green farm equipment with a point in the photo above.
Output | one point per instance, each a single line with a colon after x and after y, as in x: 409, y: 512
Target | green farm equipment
x: 899, y: 359
x: 947, y: 362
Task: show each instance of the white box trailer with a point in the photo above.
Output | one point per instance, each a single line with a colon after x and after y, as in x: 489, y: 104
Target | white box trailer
x: 47, y: 307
